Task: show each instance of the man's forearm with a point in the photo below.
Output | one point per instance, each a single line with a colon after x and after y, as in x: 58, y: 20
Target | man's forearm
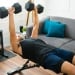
x: 35, y: 32
x: 11, y: 25
x: 36, y: 24
x: 13, y: 38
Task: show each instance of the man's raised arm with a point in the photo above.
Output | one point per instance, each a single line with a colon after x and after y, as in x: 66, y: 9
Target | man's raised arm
x: 13, y: 39
x: 36, y: 24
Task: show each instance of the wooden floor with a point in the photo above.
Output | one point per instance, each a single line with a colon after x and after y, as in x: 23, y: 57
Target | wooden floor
x: 16, y: 62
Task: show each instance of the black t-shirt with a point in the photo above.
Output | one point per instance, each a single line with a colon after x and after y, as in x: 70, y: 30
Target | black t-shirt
x: 35, y: 49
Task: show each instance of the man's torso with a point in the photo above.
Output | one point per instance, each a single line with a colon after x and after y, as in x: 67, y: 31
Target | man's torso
x: 35, y: 49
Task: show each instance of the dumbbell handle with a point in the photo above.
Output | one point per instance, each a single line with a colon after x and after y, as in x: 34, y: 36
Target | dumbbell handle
x: 28, y: 13
x: 27, y: 18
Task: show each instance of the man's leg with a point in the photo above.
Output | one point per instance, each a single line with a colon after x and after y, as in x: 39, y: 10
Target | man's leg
x: 58, y: 65
x: 66, y: 55
x: 69, y: 58
x: 73, y: 61
x: 54, y: 61
x: 68, y: 68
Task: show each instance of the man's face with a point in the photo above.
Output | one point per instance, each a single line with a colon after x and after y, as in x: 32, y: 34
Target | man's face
x: 19, y: 37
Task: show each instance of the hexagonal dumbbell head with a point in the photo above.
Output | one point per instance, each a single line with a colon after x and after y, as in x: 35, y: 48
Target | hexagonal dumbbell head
x: 29, y: 6
x: 3, y: 12
x: 40, y: 8
x: 17, y: 7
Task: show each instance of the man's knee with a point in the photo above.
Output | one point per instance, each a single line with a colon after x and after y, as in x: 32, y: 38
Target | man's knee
x: 68, y: 68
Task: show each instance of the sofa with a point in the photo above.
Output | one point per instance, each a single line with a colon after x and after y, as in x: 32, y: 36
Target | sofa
x: 67, y: 42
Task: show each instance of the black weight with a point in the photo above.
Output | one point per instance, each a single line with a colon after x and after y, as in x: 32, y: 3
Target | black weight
x: 40, y: 8
x: 17, y: 7
x: 29, y: 6
x: 3, y: 12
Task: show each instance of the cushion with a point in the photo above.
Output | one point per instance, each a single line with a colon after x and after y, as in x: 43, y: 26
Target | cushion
x: 45, y: 26
x: 54, y: 41
x: 69, y: 46
x: 56, y: 29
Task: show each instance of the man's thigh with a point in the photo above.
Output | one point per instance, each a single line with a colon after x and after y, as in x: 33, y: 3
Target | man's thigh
x: 64, y: 54
x: 53, y: 62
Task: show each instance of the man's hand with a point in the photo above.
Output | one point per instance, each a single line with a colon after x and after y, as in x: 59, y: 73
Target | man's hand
x: 11, y: 10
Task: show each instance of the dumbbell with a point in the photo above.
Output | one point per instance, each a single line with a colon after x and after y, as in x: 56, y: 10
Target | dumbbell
x: 29, y: 6
x: 17, y: 7
x: 4, y: 11
x: 40, y: 8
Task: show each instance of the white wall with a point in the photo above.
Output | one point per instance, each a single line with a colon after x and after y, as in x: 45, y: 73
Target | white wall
x: 20, y: 19
x: 64, y: 8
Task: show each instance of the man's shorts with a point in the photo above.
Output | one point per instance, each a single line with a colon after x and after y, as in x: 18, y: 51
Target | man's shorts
x: 55, y: 59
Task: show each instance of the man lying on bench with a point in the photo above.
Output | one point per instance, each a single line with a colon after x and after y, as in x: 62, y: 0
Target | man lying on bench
x: 36, y: 50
